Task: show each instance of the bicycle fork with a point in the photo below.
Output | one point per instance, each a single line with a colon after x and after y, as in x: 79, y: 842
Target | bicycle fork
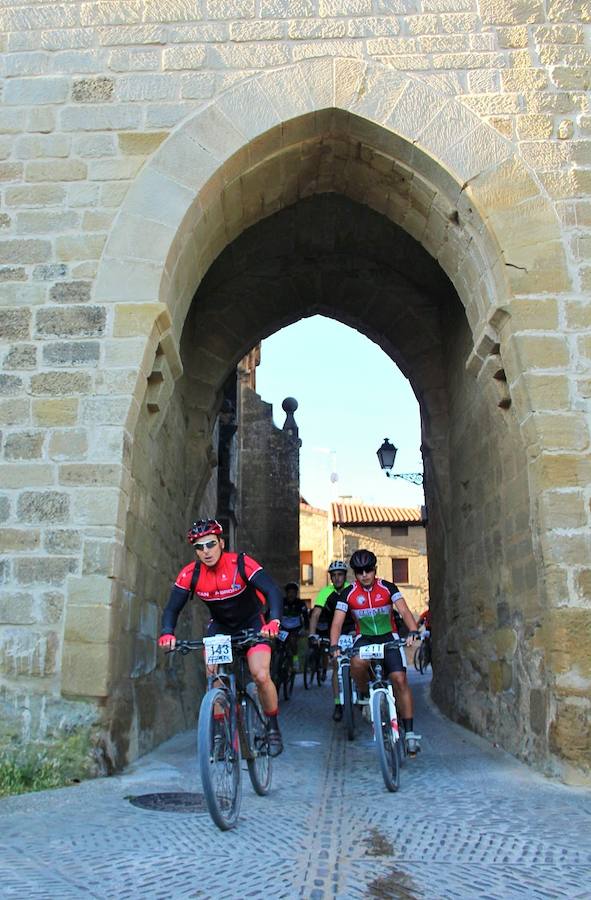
x: 389, y: 694
x: 340, y: 667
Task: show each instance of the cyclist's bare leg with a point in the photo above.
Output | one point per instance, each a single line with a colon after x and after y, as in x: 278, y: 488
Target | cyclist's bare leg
x: 360, y: 672
x: 403, y: 695
x: 259, y: 663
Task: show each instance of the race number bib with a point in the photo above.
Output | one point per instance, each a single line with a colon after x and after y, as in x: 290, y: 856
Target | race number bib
x: 218, y: 649
x: 345, y: 641
x: 371, y: 651
x: 283, y: 635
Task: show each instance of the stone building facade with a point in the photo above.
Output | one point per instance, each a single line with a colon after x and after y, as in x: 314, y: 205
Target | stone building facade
x: 398, y: 538
x: 178, y: 180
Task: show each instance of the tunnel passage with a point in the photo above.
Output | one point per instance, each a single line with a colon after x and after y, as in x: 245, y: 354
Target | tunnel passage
x: 327, y: 254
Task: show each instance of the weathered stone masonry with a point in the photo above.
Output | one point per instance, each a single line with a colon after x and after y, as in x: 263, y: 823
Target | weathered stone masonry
x: 139, y: 140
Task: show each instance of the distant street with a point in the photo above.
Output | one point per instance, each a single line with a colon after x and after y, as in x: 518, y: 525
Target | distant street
x: 468, y: 822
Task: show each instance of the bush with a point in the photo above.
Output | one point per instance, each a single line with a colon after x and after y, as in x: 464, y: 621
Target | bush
x: 39, y: 767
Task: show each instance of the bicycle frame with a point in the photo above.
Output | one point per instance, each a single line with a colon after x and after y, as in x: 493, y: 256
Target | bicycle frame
x: 344, y: 660
x: 380, y: 686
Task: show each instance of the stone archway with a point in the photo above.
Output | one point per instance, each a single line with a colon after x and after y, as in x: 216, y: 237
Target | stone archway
x: 408, y: 151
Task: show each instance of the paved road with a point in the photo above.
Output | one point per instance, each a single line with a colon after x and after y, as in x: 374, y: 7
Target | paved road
x: 468, y: 822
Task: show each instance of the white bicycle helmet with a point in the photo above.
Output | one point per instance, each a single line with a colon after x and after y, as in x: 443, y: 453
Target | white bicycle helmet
x: 338, y: 566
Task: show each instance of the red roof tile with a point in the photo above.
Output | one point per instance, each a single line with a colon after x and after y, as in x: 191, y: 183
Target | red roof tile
x: 361, y: 514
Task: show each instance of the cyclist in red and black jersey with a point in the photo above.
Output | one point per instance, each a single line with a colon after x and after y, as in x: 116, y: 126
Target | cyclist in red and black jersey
x: 234, y: 588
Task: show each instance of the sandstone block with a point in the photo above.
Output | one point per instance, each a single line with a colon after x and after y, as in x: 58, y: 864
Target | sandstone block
x: 70, y: 444
x: 4, y: 508
x: 35, y: 195
x: 134, y: 60
x: 10, y: 385
x: 13, y: 273
x: 50, y: 413
x: 26, y: 475
x: 285, y: 9
x: 100, y: 118
x: 144, y: 87
x: 97, y: 506
x: 570, y: 731
x: 43, y: 507
x: 85, y: 669
x: 90, y: 474
x: 75, y: 321
x: 15, y: 324
x: 141, y: 144
x: 70, y: 292
x: 87, y: 624
x: 21, y: 356
x: 305, y: 29
x: 62, y: 542
x: 198, y: 86
x: 68, y: 383
x: 101, y: 558
x: 24, y: 445
x: 560, y: 431
x: 94, y: 145
x: 500, y: 676
x: 24, y: 251
x: 264, y: 30
x: 16, y: 608
x: 562, y: 470
x: 34, y: 146
x: 132, y: 319
x: 563, y: 509
x: 72, y: 353
x: 73, y: 247
x: 14, y: 294
x: 49, y: 607
x: 175, y: 58
x: 55, y: 170
x: 92, y: 90
x: 34, y: 222
x: 52, y: 570
x: 35, y: 91
x: 254, y: 56
x: 15, y: 412
x: 17, y: 540
x: 226, y: 9
x: 49, y: 272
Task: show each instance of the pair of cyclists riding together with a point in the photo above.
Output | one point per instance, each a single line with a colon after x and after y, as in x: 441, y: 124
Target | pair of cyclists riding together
x: 239, y: 595
x: 372, y: 603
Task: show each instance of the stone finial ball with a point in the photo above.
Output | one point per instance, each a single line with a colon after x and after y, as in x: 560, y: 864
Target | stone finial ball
x: 289, y: 405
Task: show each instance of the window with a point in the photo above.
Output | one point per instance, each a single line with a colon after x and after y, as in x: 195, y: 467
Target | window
x: 399, y: 530
x: 400, y: 571
x: 306, y: 567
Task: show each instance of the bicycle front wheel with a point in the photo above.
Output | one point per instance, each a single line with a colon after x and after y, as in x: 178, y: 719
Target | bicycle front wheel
x: 416, y: 658
x: 259, y: 761
x: 348, y: 708
x: 218, y: 752
x: 386, y: 746
x: 288, y: 681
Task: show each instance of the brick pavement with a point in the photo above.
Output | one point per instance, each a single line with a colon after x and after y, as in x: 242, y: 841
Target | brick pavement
x: 469, y: 821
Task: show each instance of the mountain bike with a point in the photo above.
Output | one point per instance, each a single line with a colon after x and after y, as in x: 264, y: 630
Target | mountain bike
x: 316, y: 661
x: 347, y: 688
x: 232, y: 725
x: 282, y: 668
x: 422, y: 657
x: 382, y: 710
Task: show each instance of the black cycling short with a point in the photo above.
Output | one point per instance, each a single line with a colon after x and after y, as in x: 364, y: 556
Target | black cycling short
x: 255, y: 622
x: 393, y: 661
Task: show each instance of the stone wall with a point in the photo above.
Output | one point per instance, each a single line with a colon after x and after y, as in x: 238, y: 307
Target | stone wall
x: 268, y: 526
x: 137, y: 141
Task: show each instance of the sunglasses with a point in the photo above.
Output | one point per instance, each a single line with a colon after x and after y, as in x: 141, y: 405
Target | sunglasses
x: 364, y: 571
x: 206, y: 545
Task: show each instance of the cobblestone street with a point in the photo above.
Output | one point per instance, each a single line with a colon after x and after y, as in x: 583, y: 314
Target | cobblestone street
x: 469, y: 821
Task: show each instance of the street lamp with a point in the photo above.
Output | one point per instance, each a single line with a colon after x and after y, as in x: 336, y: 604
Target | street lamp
x: 387, y: 455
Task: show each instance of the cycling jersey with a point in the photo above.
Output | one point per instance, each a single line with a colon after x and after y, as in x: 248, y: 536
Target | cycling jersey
x: 231, y: 599
x: 326, y: 599
x: 372, y: 609
x: 295, y: 614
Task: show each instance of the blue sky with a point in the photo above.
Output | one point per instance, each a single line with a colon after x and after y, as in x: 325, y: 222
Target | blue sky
x: 351, y: 396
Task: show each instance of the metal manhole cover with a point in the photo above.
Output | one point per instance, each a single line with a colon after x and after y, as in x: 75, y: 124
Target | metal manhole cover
x: 179, y: 802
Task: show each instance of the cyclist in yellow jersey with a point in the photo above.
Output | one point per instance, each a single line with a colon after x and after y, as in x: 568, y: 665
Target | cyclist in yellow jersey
x: 321, y: 618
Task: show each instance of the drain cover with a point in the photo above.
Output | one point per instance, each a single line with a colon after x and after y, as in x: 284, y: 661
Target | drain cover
x: 179, y: 802
x: 305, y: 743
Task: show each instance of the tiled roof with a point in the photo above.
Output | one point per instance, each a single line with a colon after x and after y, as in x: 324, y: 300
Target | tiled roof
x: 361, y: 514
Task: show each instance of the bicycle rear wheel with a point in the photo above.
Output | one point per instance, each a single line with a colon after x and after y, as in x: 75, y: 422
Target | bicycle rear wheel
x: 423, y: 658
x: 416, y: 657
x: 218, y: 751
x: 259, y: 763
x: 348, y: 708
x: 387, y: 752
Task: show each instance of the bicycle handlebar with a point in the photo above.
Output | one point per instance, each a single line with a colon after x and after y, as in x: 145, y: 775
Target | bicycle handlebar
x: 241, y: 639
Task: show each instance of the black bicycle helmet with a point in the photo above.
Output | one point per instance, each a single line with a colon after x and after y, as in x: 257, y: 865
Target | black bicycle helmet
x: 201, y: 528
x: 363, y: 559
x: 292, y: 584
x: 338, y: 566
